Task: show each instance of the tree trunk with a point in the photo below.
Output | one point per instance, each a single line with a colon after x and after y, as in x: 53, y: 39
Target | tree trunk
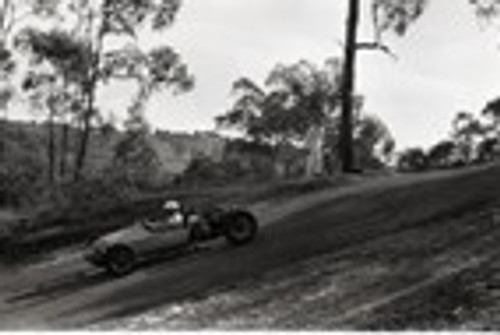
x: 64, y: 149
x: 81, y: 154
x: 88, y: 96
x: 349, y: 73
x: 84, y: 141
x: 51, y: 149
x: 90, y: 90
x: 315, y: 158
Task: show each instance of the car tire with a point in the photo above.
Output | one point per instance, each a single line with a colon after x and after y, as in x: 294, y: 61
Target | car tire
x: 241, y: 228
x: 120, y: 260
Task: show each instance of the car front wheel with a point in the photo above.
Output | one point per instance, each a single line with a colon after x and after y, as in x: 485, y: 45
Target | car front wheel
x: 241, y: 228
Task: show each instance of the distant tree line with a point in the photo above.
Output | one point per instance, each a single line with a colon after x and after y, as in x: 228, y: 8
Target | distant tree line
x: 474, y: 139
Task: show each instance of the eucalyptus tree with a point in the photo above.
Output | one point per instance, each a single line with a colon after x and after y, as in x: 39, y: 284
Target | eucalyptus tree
x: 387, y: 15
x: 57, y: 56
x: 295, y: 99
x: 15, y: 14
x: 441, y: 154
x: 97, y: 26
x: 374, y: 143
x: 467, y: 131
x: 296, y: 103
x: 488, y: 149
x: 8, y: 19
x: 413, y: 160
x: 492, y: 114
x: 245, y: 114
x: 309, y: 94
x: 310, y: 97
x: 46, y: 93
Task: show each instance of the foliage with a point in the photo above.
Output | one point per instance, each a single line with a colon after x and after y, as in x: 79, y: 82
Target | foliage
x: 373, y: 142
x: 203, y: 170
x: 487, y: 10
x: 54, y: 90
x: 20, y: 183
x: 473, y: 139
x: 491, y: 112
x: 160, y: 68
x: 466, y: 128
x: 68, y: 55
x: 396, y: 15
x: 413, y: 160
x: 309, y: 95
x: 441, y: 155
x: 135, y: 161
x: 245, y: 160
x: 245, y: 114
x: 488, y: 149
x: 298, y: 97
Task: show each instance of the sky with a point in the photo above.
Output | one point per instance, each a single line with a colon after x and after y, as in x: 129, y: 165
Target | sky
x: 448, y: 61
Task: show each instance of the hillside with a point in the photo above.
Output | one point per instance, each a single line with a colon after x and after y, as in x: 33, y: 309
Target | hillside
x: 174, y: 150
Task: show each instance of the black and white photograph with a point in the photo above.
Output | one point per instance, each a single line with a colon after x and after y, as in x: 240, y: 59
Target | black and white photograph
x: 249, y: 165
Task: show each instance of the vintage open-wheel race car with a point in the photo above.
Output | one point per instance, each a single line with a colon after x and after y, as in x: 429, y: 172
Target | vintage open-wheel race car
x: 174, y: 228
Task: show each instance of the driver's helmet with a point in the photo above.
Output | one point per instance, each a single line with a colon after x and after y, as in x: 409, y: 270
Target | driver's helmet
x: 172, y: 206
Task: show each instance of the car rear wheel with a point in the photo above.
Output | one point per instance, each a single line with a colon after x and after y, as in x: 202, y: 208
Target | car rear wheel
x: 120, y: 260
x: 196, y: 233
x: 241, y: 228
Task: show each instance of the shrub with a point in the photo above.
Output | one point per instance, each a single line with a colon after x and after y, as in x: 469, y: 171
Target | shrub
x: 414, y: 160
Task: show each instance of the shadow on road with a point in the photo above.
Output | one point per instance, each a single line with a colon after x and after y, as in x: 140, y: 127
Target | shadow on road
x: 68, y: 284
x: 87, y: 278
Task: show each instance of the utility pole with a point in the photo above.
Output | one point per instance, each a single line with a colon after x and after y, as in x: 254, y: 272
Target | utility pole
x: 348, y: 85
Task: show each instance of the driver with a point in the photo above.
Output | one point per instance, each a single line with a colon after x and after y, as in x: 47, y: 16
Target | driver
x: 174, y: 216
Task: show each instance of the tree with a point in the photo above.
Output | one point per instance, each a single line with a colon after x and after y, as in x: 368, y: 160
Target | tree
x: 245, y: 113
x: 250, y: 159
x: 413, y: 159
x: 46, y: 96
x: 492, y: 113
x: 388, y: 15
x: 486, y: 9
x: 466, y: 131
x: 135, y: 159
x: 95, y: 23
x: 54, y: 83
x: 441, y: 154
x: 296, y: 98
x: 488, y: 149
x: 9, y: 18
x: 298, y: 101
x: 373, y: 141
x: 12, y: 14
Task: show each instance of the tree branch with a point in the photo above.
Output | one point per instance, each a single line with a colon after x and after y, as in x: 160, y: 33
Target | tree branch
x: 376, y: 46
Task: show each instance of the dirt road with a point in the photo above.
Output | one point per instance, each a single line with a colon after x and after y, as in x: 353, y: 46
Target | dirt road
x: 333, y: 261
